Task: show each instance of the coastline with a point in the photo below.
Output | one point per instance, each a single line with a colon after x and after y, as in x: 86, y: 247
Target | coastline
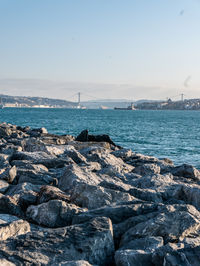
x: 83, y: 200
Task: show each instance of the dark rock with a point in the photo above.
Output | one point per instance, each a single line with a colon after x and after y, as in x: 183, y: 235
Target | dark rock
x: 187, y: 171
x: 47, y: 193
x: 118, y: 213
x: 24, y: 194
x: 133, y: 257
x: 90, y: 241
x: 84, y: 137
x: 10, y: 206
x: 54, y: 213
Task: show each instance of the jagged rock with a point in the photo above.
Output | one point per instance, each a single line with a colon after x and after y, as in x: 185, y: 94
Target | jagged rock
x: 47, y: 193
x: 43, y: 158
x: 5, y: 262
x: 34, y: 177
x: 91, y: 241
x: 13, y: 229
x: 124, y: 154
x: 85, y: 137
x: 147, y: 169
x: 187, y: 171
x: 92, y: 197
x: 5, y: 131
x: 163, y: 225
x: 144, y: 243
x: 117, y: 213
x: 176, y: 254
x: 54, y: 213
x: 75, y: 263
x: 133, y: 257
x: 24, y: 164
x: 24, y: 193
x: 3, y: 186
x: 10, y: 206
x: 74, y: 176
x: 8, y: 174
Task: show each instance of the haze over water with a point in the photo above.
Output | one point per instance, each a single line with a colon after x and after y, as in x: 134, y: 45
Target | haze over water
x: 172, y: 134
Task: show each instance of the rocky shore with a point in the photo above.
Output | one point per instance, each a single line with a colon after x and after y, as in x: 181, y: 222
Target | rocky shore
x: 86, y: 201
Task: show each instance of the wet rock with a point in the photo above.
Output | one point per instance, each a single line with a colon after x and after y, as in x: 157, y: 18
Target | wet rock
x: 92, y: 241
x: 85, y: 137
x: 54, y: 213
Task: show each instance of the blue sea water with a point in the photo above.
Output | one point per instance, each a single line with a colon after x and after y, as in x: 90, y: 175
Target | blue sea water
x: 172, y: 134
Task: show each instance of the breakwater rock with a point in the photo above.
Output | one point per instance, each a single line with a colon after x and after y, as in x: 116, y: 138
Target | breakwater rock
x: 86, y: 201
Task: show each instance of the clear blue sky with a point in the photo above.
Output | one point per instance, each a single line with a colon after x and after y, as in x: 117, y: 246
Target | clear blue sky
x: 152, y: 45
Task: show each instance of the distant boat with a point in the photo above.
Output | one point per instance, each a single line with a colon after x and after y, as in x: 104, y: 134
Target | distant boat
x: 130, y: 107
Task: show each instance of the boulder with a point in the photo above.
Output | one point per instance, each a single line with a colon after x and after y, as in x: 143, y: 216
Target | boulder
x: 133, y: 257
x: 74, y: 176
x: 13, y: 229
x: 172, y: 226
x: 47, y: 193
x: 92, y: 197
x: 8, y: 174
x: 24, y: 194
x: 85, y: 137
x: 10, y: 206
x: 54, y: 213
x: 187, y: 171
x: 91, y: 241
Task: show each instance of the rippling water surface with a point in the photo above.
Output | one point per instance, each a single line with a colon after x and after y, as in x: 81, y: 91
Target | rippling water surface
x: 172, y: 134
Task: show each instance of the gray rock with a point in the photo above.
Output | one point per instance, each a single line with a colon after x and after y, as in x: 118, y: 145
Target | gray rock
x: 3, y: 186
x: 5, y: 262
x: 9, y: 205
x: 92, y: 241
x: 133, y: 258
x: 74, y: 176
x: 172, y: 226
x: 9, y: 174
x: 54, y: 213
x: 187, y: 171
x: 24, y: 193
x: 13, y: 229
x: 75, y: 263
x: 47, y: 193
x: 117, y: 213
x: 34, y: 177
x: 92, y: 197
x: 147, y: 169
x: 149, y: 244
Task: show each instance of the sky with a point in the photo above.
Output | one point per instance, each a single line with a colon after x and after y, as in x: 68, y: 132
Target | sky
x: 122, y: 49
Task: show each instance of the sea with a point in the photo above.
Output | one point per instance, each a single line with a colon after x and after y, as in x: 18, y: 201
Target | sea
x: 163, y: 134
